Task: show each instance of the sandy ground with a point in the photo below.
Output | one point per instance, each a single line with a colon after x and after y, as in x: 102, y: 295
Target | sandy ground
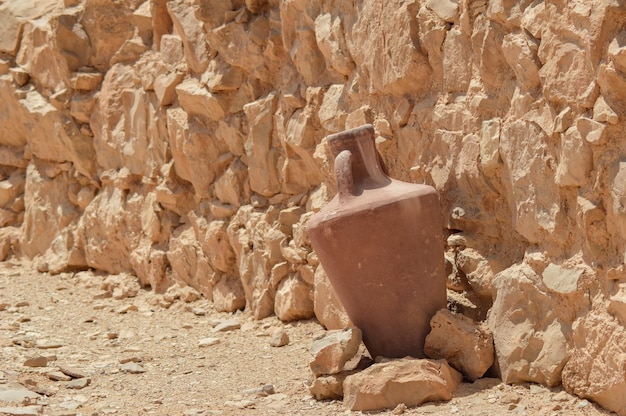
x: 139, y: 353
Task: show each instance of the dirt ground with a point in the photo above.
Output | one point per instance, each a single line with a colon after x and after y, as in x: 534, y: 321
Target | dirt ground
x: 139, y: 353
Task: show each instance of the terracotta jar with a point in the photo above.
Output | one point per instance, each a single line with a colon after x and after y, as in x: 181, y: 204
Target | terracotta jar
x: 381, y: 244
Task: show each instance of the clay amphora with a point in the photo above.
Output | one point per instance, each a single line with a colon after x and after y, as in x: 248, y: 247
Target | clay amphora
x: 381, y: 244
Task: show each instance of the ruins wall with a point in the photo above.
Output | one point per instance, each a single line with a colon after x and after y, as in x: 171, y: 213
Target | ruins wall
x: 182, y: 142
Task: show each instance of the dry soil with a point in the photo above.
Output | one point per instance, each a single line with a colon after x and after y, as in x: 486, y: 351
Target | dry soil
x: 140, y: 353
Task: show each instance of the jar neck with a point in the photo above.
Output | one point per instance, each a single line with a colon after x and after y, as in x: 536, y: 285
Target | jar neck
x: 367, y: 169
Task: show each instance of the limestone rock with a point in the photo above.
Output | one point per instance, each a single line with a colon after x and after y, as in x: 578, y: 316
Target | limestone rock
x: 262, y: 157
x: 198, y: 101
x: 188, y: 262
x: 597, y: 350
x: 333, y: 350
x: 293, y: 300
x: 328, y: 308
x: 329, y: 387
x: 530, y: 327
x: 108, y: 28
x: 407, y: 380
x: 403, y: 66
x: 464, y: 344
x: 50, y: 189
x: 228, y: 294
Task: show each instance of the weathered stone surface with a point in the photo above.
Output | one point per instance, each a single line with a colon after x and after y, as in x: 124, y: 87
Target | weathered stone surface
x: 329, y: 387
x: 262, y: 157
x: 598, y: 349
x: 397, y: 65
x: 108, y: 28
x: 293, y: 300
x: 333, y: 350
x: 407, y: 380
x: 464, y: 344
x: 531, y: 325
x: 327, y: 306
x: 183, y: 141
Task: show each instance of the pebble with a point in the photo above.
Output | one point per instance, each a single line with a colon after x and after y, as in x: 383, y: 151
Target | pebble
x: 399, y: 409
x: 207, y: 342
x: 583, y: 404
x: 16, y: 393
x: 58, y: 376
x: 22, y: 304
x: 46, y: 345
x: 227, y: 325
x: 133, y: 359
x: 510, y: 398
x: 71, y: 371
x: 132, y: 368
x: 537, y: 389
x: 263, y: 391
x: 279, y: 338
x: 126, y: 308
x: 37, y: 361
x: 3, y: 306
x: 561, y: 396
x: 79, y: 383
x: 240, y: 404
x: 21, y: 411
x: 199, y: 311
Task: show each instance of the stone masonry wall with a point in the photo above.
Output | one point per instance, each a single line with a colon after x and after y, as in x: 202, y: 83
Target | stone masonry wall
x: 182, y: 142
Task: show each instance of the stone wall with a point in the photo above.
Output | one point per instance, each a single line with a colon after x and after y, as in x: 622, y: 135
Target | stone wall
x: 182, y: 141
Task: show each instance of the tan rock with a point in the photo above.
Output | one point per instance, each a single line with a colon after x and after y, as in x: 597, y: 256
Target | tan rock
x: 575, y: 159
x: 20, y: 76
x: 223, y: 77
x: 213, y: 237
x: 198, y: 101
x: 81, y: 106
x: 407, y: 380
x: 530, y: 342
x: 466, y: 345
x: 603, y: 112
x: 232, y: 41
x: 189, y: 264
x: 110, y: 229
x: 529, y: 189
x: 189, y: 29
x: 293, y: 300
x: 228, y: 294
x: 597, y: 349
x: 328, y: 308
x: 591, y: 130
x: 165, y: 87
x: 171, y: 48
x: 86, y: 81
x: 447, y: 10
x: 456, y: 69
x: 330, y: 38
x: 194, y: 151
x: 520, y: 53
x: 398, y: 66
x: 262, y: 157
x: 66, y: 252
x: 150, y: 265
x: 333, y: 350
x: 45, y: 194
x: 106, y: 39
x: 232, y: 187
x: 329, y: 387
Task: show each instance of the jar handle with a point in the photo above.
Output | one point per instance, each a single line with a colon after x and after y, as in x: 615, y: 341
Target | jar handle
x: 343, y: 174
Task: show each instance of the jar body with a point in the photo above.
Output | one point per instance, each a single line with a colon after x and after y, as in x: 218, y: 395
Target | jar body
x: 382, y: 249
